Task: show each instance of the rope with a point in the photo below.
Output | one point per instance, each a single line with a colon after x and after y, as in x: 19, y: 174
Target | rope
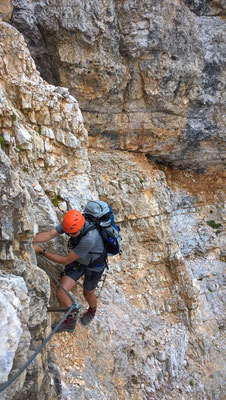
x: 74, y: 306
x: 53, y: 277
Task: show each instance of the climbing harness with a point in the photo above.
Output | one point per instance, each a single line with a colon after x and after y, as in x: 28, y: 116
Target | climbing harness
x: 74, y: 307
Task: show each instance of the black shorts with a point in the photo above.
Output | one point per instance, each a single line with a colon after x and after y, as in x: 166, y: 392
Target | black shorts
x: 92, y: 278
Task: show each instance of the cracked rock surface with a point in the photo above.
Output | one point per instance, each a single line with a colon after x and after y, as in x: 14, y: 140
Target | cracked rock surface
x: 149, y: 76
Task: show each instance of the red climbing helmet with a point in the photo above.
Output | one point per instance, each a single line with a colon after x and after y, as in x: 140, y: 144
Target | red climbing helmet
x: 73, y: 221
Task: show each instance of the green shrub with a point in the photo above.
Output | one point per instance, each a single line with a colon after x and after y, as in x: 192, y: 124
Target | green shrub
x: 13, y: 116
x: 19, y: 148
x: 56, y: 200
x: 213, y: 224
x: 2, y: 142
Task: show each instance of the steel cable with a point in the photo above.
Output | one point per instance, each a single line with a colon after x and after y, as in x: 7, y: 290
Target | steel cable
x: 74, y: 306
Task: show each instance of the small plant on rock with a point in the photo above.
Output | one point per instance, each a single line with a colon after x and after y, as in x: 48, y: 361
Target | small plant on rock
x: 2, y: 142
x: 56, y: 200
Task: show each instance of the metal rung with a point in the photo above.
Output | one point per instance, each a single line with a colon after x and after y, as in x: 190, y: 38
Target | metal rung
x: 57, y: 309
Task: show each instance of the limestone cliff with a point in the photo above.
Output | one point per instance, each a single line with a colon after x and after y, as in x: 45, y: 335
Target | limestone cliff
x: 148, y: 75
x: 43, y: 161
x: 159, y: 329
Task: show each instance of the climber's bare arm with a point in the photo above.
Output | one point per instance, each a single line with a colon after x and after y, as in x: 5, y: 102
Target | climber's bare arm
x: 45, y: 236
x: 57, y: 258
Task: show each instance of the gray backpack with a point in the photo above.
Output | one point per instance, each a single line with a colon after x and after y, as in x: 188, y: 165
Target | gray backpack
x: 102, y: 217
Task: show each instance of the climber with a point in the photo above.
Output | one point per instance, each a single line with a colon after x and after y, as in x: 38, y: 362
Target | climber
x: 82, y: 254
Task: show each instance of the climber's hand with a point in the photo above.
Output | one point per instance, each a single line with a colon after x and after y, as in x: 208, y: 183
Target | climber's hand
x: 37, y: 249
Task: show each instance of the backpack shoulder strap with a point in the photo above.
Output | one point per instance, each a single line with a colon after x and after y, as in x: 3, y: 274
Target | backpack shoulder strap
x: 88, y: 229
x: 72, y: 242
x: 103, y: 255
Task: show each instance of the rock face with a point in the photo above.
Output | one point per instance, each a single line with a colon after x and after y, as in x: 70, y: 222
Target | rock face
x: 159, y: 302
x: 206, y: 7
x: 159, y: 329
x: 42, y: 126
x: 42, y: 133
x: 6, y: 10
x: 149, y: 76
x: 24, y: 290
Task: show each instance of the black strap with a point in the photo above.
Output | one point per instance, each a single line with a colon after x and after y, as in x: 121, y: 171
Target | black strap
x: 90, y: 228
x: 72, y: 242
x: 102, y: 256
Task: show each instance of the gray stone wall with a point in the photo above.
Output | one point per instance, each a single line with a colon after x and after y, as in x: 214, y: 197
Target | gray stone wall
x: 149, y: 76
x: 39, y: 124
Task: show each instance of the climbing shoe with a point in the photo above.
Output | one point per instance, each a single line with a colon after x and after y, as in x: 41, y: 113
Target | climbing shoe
x: 88, y: 316
x: 68, y: 325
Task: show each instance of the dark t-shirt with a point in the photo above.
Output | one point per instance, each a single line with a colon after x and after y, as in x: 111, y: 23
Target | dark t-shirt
x: 90, y: 246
